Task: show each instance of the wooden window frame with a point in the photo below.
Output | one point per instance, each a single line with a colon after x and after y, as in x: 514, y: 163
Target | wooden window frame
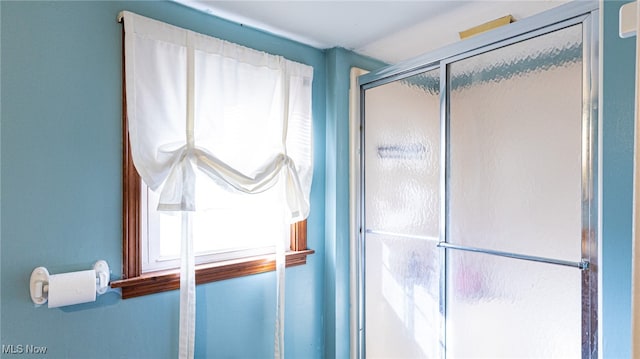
x: 135, y: 283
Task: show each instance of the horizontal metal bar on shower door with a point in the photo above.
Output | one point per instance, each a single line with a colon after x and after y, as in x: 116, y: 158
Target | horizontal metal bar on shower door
x: 582, y: 265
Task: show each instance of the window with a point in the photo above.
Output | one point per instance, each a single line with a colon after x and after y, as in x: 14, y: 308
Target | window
x: 216, y: 234
x: 137, y: 282
x: 140, y: 278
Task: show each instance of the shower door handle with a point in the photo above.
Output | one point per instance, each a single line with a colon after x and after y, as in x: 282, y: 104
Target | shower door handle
x: 582, y: 265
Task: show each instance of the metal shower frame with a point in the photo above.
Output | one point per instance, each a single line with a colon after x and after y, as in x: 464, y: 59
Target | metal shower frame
x: 578, y: 12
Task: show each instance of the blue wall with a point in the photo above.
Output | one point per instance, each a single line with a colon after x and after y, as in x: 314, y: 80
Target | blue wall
x: 339, y: 63
x: 617, y: 100
x: 61, y: 194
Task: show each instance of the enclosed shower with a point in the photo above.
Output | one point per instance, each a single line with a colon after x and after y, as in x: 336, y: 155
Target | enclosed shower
x: 478, y: 196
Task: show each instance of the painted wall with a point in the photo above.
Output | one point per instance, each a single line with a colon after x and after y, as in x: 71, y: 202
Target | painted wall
x: 336, y: 307
x: 61, y: 194
x: 617, y: 101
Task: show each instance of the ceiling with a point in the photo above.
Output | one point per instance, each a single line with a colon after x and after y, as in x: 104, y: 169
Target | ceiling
x: 387, y: 30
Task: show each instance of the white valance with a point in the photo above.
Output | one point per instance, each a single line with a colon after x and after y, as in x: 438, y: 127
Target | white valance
x: 200, y: 103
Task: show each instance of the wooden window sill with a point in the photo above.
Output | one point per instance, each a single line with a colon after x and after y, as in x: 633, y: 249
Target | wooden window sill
x: 161, y: 281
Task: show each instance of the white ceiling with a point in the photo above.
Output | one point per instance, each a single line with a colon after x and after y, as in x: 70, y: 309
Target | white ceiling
x: 387, y: 30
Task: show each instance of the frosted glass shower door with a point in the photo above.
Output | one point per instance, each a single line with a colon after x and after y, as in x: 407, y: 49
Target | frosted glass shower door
x: 402, y: 216
x: 478, y: 233
x: 515, y: 186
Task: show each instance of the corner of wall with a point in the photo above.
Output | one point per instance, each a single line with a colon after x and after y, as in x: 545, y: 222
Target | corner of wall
x: 337, y: 248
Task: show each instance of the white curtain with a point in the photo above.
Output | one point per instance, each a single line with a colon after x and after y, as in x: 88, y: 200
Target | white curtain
x: 236, y: 116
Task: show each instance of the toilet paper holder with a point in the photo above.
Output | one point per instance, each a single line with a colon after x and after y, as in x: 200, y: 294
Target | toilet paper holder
x: 39, y: 282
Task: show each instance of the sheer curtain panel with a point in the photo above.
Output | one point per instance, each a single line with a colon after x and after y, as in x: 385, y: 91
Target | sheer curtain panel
x: 201, y: 107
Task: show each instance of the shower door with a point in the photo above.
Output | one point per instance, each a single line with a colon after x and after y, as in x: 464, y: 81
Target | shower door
x: 402, y: 180
x: 479, y: 204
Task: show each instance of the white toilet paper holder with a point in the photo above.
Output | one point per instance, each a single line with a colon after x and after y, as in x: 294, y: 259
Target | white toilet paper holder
x: 39, y: 282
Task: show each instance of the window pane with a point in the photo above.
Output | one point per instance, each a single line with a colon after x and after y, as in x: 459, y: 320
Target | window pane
x: 232, y: 225
x: 515, y: 141
x: 224, y: 226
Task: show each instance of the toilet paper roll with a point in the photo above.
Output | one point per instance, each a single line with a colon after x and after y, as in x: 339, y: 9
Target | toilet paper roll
x: 72, y: 288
